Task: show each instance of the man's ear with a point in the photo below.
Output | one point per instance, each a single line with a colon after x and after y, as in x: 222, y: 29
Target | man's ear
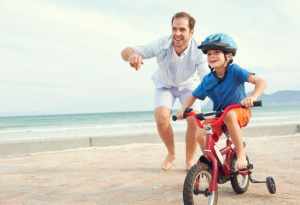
x: 192, y: 32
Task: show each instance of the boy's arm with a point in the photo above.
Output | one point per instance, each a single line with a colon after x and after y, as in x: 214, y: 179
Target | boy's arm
x: 188, y: 103
x: 260, y: 85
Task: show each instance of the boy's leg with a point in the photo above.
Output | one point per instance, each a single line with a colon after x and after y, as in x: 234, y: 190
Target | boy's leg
x: 236, y: 135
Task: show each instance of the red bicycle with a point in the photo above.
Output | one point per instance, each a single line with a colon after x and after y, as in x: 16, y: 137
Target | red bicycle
x: 217, y: 166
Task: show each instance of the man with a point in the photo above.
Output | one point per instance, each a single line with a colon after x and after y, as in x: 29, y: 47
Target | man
x: 178, y: 59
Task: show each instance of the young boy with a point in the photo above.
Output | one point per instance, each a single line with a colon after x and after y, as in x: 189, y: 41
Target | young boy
x: 225, y: 86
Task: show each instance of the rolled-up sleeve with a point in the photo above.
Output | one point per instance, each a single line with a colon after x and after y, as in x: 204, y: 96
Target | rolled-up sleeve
x: 149, y: 50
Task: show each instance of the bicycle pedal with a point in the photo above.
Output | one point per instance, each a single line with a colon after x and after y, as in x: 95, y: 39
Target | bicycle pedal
x: 234, y: 173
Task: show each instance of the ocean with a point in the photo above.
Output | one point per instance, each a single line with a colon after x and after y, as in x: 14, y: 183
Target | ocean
x: 118, y: 123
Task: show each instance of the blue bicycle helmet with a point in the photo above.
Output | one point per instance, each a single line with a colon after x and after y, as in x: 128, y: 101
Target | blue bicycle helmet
x: 219, y: 41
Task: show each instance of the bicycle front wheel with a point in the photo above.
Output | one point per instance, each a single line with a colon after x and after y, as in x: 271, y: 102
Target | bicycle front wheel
x: 196, y: 185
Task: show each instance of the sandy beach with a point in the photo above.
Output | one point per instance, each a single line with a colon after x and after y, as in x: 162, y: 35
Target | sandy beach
x: 128, y: 171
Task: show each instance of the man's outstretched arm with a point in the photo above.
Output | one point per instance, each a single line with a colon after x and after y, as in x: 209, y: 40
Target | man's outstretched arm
x: 133, y: 58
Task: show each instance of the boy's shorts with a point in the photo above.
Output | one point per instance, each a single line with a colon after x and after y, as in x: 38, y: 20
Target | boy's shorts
x: 243, y: 117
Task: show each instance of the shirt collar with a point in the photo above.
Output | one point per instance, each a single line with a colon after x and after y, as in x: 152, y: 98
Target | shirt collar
x: 168, y: 43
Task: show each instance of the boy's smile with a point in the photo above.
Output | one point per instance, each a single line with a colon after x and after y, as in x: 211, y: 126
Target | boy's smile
x: 216, y: 59
x: 213, y: 61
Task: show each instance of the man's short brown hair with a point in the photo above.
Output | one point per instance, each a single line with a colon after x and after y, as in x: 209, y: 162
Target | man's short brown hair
x: 192, y: 21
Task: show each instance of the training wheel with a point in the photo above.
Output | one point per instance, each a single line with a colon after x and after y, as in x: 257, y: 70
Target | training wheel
x: 271, y: 185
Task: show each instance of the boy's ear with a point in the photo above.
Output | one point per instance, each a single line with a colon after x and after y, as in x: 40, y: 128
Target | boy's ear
x: 229, y: 56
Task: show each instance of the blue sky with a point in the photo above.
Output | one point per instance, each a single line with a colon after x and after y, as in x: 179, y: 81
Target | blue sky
x: 64, y: 56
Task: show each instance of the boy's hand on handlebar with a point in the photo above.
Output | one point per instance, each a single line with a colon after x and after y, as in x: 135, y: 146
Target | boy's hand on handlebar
x: 180, y: 114
x: 248, y: 102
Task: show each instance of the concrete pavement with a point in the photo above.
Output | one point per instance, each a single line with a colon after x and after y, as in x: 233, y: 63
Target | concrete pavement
x: 131, y: 174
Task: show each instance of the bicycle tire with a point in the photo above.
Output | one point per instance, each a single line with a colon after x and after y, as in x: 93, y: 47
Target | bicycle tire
x: 203, y: 171
x: 271, y: 185
x: 239, y: 183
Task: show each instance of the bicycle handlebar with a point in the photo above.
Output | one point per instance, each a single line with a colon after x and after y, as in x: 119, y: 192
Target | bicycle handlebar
x: 257, y: 103
x: 215, y: 114
x: 174, y: 118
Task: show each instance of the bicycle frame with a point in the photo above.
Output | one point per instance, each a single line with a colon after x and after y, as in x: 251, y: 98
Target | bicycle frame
x: 212, y: 153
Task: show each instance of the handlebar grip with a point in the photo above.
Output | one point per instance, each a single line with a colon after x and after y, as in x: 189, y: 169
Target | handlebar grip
x: 174, y: 118
x: 257, y: 103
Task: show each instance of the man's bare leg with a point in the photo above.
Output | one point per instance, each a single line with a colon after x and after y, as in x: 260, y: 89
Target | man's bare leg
x: 162, y: 117
x: 190, y: 142
x: 201, y: 138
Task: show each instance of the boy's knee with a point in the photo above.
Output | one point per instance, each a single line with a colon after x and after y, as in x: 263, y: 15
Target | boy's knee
x: 230, y: 117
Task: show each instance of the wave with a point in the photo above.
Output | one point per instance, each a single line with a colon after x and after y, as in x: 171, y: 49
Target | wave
x: 131, y: 127
x: 71, y: 128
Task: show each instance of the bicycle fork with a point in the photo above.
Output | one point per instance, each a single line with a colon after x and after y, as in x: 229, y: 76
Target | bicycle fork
x: 212, y: 156
x: 209, y: 158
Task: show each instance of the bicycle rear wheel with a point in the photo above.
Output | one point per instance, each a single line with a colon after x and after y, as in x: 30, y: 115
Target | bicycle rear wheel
x: 196, y: 185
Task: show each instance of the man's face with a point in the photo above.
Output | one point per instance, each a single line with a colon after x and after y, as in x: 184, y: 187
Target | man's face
x: 181, y: 32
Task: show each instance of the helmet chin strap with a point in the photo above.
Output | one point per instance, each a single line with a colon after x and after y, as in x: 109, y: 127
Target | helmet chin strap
x: 226, y: 70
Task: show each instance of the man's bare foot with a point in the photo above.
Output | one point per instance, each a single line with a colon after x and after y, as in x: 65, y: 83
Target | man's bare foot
x: 167, y: 164
x: 241, y: 163
x: 189, y: 165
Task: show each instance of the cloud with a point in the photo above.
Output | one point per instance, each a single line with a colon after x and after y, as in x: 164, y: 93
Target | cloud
x: 58, y: 56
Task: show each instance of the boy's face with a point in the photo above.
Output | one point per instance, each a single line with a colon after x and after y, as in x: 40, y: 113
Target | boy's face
x: 181, y: 32
x: 216, y: 59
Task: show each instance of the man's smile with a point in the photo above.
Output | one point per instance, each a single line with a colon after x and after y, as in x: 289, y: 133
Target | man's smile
x: 178, y: 38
